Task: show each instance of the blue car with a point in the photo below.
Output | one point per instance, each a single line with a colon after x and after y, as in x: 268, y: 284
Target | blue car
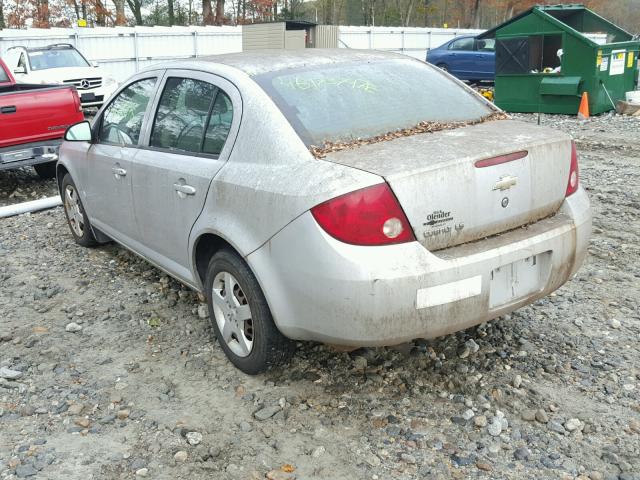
x: 466, y: 58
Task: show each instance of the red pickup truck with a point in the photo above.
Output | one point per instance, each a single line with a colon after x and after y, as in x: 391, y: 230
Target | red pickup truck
x: 33, y: 119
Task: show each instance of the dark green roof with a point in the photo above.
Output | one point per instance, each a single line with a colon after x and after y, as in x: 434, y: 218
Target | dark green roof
x: 557, y: 14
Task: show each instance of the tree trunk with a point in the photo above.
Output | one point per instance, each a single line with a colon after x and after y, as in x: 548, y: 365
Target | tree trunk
x: 207, y: 14
x: 172, y: 17
x: 135, y: 6
x: 2, y: 25
x: 219, y: 12
x: 475, y: 14
x: 101, y: 17
x: 120, y: 17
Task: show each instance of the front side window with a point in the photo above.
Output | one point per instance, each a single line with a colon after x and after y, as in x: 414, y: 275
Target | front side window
x: 182, y: 114
x: 486, y: 45
x: 122, y: 120
x: 462, y: 44
x: 56, y: 58
x: 22, y: 63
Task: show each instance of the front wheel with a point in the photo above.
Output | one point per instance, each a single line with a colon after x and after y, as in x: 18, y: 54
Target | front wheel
x: 46, y: 170
x: 240, y: 316
x: 76, y: 216
x: 443, y: 66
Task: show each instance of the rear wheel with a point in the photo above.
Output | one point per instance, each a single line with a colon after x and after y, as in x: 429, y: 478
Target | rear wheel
x: 240, y: 316
x: 46, y: 170
x: 76, y: 216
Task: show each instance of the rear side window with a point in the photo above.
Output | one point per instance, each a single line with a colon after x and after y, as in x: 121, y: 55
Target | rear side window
x: 193, y: 116
x: 219, y: 124
x: 347, y: 101
x: 462, y: 44
x: 182, y: 114
x: 122, y: 119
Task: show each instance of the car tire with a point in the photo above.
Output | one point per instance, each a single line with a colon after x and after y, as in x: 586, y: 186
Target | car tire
x: 46, y: 170
x: 240, y: 316
x: 76, y: 216
x: 443, y: 66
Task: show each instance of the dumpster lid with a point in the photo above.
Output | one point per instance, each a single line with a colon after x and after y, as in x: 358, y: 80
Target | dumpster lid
x: 559, y: 85
x: 560, y: 15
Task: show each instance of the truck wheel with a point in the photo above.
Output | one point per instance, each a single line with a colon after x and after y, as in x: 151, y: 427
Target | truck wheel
x: 46, y: 170
x: 240, y: 316
x: 76, y: 216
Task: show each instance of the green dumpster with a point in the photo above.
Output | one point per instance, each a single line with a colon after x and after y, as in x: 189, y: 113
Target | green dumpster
x: 548, y: 56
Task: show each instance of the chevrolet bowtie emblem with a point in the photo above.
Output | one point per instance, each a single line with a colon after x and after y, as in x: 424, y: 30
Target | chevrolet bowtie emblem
x: 505, y: 183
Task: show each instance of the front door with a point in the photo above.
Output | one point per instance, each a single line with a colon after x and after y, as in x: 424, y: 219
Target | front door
x: 185, y: 147
x: 109, y: 161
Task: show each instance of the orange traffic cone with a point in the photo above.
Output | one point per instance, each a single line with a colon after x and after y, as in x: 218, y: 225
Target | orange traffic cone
x: 583, y: 111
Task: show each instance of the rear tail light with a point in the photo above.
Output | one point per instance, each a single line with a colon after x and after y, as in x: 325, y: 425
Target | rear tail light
x: 370, y: 216
x: 574, y: 179
x: 76, y: 97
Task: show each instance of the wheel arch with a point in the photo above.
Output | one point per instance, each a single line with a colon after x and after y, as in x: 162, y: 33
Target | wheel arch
x: 61, y: 171
x: 204, y: 247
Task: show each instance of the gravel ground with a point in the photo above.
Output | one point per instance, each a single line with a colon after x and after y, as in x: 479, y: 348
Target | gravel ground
x: 24, y: 184
x: 108, y: 370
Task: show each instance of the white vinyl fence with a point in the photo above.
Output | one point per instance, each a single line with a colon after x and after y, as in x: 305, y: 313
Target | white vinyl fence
x: 122, y: 51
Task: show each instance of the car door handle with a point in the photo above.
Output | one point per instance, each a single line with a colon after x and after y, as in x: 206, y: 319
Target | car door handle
x: 8, y: 109
x: 186, y: 189
x: 119, y: 172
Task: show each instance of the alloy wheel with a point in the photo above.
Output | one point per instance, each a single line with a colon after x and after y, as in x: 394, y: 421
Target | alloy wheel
x: 232, y: 314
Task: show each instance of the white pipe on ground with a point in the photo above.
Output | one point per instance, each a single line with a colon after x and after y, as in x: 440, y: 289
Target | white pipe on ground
x: 33, y: 206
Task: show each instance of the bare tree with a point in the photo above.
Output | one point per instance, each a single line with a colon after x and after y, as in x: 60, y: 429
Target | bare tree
x: 136, y: 8
x: 207, y: 13
x: 219, y: 19
x: 170, y: 13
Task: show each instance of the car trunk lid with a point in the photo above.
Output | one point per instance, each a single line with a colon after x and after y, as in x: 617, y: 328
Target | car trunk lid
x: 453, y: 192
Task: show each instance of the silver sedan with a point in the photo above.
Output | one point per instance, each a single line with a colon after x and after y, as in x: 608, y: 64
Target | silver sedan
x: 350, y: 197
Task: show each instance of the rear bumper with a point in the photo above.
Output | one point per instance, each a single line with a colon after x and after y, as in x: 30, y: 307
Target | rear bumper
x: 29, y: 154
x: 321, y: 289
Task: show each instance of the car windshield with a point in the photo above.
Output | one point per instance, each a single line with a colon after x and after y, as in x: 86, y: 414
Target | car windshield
x: 362, y: 100
x: 56, y: 58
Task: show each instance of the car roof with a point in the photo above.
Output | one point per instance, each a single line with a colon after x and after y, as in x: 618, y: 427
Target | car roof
x: 256, y: 62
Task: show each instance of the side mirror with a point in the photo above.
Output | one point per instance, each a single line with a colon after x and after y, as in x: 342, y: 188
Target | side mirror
x: 20, y: 70
x: 95, y: 64
x: 80, y: 132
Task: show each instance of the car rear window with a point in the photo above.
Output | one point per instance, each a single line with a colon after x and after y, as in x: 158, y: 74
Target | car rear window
x: 361, y: 100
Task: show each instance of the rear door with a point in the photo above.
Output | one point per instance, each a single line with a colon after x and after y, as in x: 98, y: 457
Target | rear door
x: 461, y: 55
x: 195, y: 120
x: 485, y: 59
x: 108, y: 193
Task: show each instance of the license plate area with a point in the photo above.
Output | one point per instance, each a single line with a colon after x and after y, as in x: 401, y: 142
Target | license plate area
x: 17, y: 155
x: 88, y: 97
x: 516, y: 280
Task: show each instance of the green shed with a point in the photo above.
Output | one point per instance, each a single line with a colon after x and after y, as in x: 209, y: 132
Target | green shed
x: 547, y: 56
